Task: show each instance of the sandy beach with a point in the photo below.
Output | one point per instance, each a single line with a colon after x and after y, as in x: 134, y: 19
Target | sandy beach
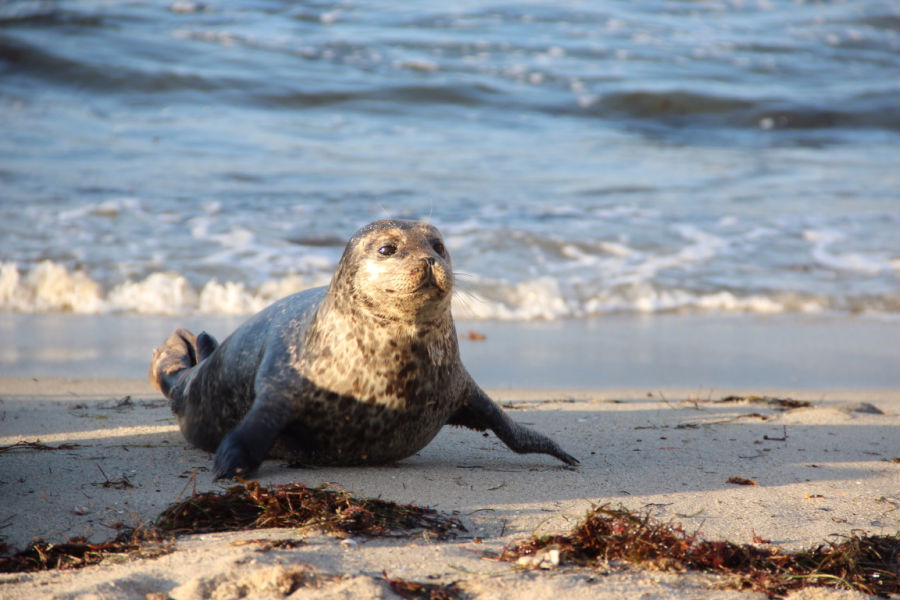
x: 822, y: 471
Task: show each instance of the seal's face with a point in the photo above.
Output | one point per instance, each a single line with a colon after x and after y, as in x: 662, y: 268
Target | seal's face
x: 402, y: 270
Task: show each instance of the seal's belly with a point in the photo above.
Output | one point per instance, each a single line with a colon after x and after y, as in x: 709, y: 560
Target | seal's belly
x: 346, y: 431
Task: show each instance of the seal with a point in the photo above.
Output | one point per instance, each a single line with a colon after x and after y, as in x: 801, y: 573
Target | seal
x: 364, y: 371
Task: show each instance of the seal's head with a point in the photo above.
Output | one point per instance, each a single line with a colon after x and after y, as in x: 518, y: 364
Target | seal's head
x: 397, y: 271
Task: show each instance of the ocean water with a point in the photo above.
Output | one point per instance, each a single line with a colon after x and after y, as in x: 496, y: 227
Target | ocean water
x: 581, y: 158
x: 186, y: 158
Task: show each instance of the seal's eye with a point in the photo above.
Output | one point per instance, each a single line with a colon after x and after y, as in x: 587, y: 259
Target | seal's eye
x: 439, y: 248
x: 387, y: 250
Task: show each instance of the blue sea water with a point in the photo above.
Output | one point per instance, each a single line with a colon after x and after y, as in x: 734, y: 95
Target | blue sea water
x: 583, y: 159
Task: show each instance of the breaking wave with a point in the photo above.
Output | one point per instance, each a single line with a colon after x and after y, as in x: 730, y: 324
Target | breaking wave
x: 51, y: 288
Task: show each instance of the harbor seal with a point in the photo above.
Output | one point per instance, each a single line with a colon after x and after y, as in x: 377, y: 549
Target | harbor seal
x: 364, y: 371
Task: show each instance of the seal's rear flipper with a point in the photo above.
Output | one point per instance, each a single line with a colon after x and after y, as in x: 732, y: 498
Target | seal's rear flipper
x: 178, y: 353
x: 482, y: 413
x: 206, y: 345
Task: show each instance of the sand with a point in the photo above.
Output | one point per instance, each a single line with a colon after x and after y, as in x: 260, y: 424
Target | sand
x: 822, y: 471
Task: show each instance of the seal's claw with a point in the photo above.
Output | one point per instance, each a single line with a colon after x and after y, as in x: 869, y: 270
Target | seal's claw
x: 567, y: 458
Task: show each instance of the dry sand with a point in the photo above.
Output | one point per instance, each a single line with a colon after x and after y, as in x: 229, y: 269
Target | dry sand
x: 822, y: 471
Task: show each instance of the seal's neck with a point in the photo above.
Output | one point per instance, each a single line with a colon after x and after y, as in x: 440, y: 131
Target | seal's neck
x: 375, y: 338
x: 395, y: 364
x: 436, y: 337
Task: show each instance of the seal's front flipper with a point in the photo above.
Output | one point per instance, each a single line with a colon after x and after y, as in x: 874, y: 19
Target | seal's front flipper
x: 245, y: 447
x: 480, y: 413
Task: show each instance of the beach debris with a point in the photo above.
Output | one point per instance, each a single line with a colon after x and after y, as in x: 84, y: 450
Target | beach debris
x: 545, y: 559
x: 268, y: 545
x: 119, y: 404
x: 758, y: 539
x: 779, y: 403
x: 245, y: 506
x: 143, y: 542
x: 869, y: 564
x: 249, y: 505
x: 121, y: 483
x: 24, y: 446
x: 783, y: 438
x: 473, y: 336
x: 423, y: 591
x: 741, y: 481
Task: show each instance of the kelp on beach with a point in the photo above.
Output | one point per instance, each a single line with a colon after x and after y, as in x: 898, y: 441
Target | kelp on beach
x: 870, y: 564
x: 252, y: 506
x: 247, y: 505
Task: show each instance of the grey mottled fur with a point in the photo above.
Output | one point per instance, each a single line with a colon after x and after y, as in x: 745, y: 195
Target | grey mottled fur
x: 364, y: 371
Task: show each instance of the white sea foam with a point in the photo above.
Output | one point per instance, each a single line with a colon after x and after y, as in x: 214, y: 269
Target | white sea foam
x: 158, y: 294
x: 534, y: 299
x: 105, y: 208
x: 868, y: 264
x: 49, y: 287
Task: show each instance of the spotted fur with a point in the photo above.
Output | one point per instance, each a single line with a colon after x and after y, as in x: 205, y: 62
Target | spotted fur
x: 365, y: 371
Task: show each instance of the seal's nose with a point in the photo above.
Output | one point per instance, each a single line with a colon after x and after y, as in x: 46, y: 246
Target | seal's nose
x: 430, y: 261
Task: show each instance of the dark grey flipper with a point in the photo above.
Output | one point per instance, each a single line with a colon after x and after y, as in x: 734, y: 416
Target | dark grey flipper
x: 480, y: 413
x: 206, y: 345
x: 245, y: 447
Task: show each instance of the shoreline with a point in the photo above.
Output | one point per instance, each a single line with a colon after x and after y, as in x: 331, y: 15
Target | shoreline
x: 824, y: 470
x: 696, y: 351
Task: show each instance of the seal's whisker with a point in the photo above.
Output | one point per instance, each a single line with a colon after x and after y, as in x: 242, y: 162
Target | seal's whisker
x: 384, y: 211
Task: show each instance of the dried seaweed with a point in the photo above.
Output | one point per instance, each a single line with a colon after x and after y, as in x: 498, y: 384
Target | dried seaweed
x: 779, y: 403
x: 741, y: 481
x: 869, y: 564
x: 247, y: 505
x: 77, y: 553
x: 251, y: 506
x: 413, y: 590
x: 26, y: 445
x: 121, y: 483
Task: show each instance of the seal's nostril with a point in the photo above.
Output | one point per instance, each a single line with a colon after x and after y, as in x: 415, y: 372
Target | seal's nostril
x: 430, y: 260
